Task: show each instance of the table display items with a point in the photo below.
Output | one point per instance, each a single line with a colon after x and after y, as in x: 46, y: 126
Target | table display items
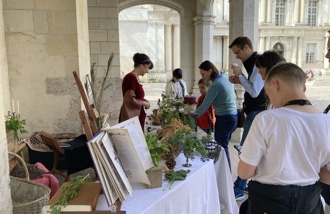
x: 179, y: 137
x: 78, y: 195
x: 15, y: 123
x: 180, y: 109
x: 120, y: 156
x: 172, y: 176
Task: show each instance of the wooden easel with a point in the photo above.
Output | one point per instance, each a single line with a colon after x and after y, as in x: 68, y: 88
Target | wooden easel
x: 89, y: 124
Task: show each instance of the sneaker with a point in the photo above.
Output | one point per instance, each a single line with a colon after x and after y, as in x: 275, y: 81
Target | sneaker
x: 239, y: 194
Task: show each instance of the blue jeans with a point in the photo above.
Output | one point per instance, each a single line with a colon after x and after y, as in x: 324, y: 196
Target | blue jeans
x: 224, y: 126
x: 240, y: 183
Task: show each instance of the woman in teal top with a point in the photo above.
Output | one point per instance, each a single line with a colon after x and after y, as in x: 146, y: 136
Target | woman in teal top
x: 221, y: 94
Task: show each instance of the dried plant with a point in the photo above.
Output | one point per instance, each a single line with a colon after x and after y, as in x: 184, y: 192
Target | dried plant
x: 96, y: 85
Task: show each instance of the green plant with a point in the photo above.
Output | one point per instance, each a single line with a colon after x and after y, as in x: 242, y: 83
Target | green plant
x: 69, y: 192
x: 14, y: 122
x: 175, y: 175
x: 156, y: 148
x: 189, y: 142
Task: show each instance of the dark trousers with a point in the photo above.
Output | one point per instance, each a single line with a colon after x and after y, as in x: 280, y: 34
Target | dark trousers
x: 325, y: 192
x: 291, y: 199
x: 224, y: 126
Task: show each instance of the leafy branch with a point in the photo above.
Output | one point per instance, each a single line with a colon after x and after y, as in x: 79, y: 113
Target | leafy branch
x: 69, y: 192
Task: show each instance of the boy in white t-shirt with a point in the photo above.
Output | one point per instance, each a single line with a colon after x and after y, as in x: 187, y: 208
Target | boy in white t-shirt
x: 286, y: 148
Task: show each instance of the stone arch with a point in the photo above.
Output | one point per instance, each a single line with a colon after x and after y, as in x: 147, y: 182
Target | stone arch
x: 169, y: 3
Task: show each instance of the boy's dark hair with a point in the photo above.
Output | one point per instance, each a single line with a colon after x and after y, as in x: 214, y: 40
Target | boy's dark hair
x: 207, y: 65
x: 268, y: 59
x: 177, y: 73
x: 241, y: 41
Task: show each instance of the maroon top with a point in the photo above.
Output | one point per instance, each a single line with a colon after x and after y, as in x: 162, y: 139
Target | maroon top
x: 130, y: 82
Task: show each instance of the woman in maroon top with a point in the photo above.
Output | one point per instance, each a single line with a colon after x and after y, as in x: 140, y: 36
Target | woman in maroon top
x: 133, y: 92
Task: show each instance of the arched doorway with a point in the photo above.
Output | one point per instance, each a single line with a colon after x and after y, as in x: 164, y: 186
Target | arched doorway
x: 278, y: 47
x: 155, y: 31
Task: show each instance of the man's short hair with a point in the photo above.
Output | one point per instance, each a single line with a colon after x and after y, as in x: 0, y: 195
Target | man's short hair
x: 288, y: 72
x: 241, y: 41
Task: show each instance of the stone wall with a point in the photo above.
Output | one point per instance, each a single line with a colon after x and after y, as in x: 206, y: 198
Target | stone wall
x: 44, y: 47
x: 104, y: 40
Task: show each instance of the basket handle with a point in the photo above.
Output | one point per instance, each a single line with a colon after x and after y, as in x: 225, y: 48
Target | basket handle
x: 23, y: 164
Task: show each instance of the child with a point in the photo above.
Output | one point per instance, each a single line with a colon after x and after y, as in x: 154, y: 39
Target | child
x: 207, y: 120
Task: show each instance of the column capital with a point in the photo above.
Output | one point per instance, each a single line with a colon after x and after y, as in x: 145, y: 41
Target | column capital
x: 200, y: 19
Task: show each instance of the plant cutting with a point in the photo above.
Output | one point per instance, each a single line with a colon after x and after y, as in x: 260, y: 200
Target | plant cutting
x: 156, y: 148
x: 69, y: 192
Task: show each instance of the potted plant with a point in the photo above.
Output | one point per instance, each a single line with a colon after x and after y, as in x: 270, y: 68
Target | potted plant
x: 15, y: 123
x: 189, y: 142
x: 156, y: 148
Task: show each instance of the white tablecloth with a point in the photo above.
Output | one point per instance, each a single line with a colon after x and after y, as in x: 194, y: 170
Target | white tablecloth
x: 225, y: 185
x: 208, y: 189
x: 196, y: 195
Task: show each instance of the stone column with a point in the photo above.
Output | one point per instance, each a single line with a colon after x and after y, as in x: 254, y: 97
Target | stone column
x: 243, y: 22
x: 300, y: 45
x: 176, y: 46
x: 262, y: 44
x: 168, y: 47
x: 267, y: 43
x: 5, y: 195
x: 262, y: 11
x: 326, y: 61
x: 4, y: 77
x: 269, y: 12
x: 296, y: 11
x: 302, y: 11
x: 225, y: 52
x: 203, y: 43
x: 294, y: 49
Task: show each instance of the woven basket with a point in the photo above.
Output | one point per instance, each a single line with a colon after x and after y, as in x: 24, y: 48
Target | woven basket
x: 27, y: 197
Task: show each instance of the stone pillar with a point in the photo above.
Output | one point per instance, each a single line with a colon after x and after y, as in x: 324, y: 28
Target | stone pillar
x: 326, y: 61
x: 203, y: 43
x: 262, y: 44
x: 262, y: 11
x: 168, y: 47
x: 176, y: 46
x: 302, y: 11
x: 269, y: 11
x: 300, y: 45
x: 225, y: 52
x: 5, y: 195
x: 267, y: 43
x: 294, y: 50
x: 296, y: 12
x: 243, y: 22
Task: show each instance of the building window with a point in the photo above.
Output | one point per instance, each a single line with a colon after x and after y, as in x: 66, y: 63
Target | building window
x: 278, y: 47
x: 312, y: 12
x: 310, y: 53
x: 279, y: 12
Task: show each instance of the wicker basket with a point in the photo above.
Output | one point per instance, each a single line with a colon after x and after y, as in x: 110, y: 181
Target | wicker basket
x: 27, y: 197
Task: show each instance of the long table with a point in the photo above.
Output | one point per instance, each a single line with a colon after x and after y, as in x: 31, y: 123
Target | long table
x: 198, y: 194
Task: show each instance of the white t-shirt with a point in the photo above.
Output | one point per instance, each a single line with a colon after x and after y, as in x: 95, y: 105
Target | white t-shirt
x: 288, y: 146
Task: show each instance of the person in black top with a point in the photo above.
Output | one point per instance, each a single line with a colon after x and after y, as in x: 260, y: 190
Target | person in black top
x: 254, y: 96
